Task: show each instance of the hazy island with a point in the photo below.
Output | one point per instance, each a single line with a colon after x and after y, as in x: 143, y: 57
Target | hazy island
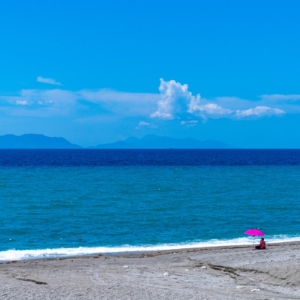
x: 40, y: 141
x: 35, y: 141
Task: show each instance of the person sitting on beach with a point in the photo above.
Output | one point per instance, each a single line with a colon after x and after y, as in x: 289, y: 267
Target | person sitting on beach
x: 262, y: 245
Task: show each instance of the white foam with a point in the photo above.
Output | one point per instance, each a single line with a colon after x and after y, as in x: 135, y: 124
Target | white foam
x: 65, y: 252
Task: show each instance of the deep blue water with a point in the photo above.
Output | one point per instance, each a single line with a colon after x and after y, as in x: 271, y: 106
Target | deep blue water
x: 171, y: 157
x: 109, y: 200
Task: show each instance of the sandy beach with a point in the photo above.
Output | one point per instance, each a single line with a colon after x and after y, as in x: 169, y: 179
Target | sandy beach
x: 215, y: 273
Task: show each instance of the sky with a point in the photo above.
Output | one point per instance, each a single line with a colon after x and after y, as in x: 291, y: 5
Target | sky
x: 98, y: 71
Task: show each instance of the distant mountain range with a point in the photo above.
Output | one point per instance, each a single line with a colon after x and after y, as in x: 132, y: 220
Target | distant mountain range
x: 39, y: 141
x: 34, y: 141
x: 159, y: 142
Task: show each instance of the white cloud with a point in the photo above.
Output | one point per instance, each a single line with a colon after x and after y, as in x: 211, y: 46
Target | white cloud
x: 53, y: 98
x: 259, y: 111
x: 58, y: 101
x: 190, y: 123
x: 175, y: 100
x: 22, y: 102
x: 280, y: 97
x: 178, y: 103
x: 145, y: 124
x: 45, y: 102
x: 111, y: 95
x: 211, y: 109
x: 122, y: 103
x: 47, y: 80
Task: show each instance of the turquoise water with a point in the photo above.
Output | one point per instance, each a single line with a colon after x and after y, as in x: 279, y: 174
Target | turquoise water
x: 63, y: 210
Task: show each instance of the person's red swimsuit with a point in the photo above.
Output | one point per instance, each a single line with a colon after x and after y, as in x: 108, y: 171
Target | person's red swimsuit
x: 262, y: 245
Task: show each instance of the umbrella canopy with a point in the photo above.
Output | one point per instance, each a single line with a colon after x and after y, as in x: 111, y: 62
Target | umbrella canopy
x: 254, y: 232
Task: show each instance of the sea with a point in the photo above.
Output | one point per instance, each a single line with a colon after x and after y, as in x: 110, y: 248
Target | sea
x: 58, y: 203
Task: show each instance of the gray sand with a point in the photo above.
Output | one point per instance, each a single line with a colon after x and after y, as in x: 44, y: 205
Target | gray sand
x: 217, y: 273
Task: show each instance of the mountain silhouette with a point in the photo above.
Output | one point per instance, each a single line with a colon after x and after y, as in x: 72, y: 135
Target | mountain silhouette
x: 35, y: 141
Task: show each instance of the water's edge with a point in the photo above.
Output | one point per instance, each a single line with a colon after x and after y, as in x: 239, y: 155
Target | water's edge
x: 14, y: 255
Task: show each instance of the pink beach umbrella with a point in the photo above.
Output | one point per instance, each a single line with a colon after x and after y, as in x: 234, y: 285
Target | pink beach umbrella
x: 254, y: 232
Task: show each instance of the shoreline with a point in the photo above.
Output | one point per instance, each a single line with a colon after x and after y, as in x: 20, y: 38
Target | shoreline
x: 228, y: 272
x: 153, y: 252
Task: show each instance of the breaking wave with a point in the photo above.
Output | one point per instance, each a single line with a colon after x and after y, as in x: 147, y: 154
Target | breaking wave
x: 14, y: 254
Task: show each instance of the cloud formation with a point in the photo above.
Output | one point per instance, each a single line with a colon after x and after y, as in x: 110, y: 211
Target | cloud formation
x: 190, y: 123
x: 174, y: 102
x: 177, y: 102
x: 101, y: 102
x: 122, y: 103
x: 280, y: 97
x: 47, y: 80
x: 145, y: 124
x: 259, y: 111
x: 39, y: 98
x: 209, y: 109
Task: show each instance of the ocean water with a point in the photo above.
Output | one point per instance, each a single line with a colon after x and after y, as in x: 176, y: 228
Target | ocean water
x: 75, y: 202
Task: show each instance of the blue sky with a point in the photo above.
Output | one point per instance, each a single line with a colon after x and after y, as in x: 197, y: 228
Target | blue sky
x: 100, y: 71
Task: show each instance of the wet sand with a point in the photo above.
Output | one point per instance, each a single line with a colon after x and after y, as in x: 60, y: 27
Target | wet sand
x: 214, y: 273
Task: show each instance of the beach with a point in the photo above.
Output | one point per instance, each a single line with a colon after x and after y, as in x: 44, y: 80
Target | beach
x: 209, y: 273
